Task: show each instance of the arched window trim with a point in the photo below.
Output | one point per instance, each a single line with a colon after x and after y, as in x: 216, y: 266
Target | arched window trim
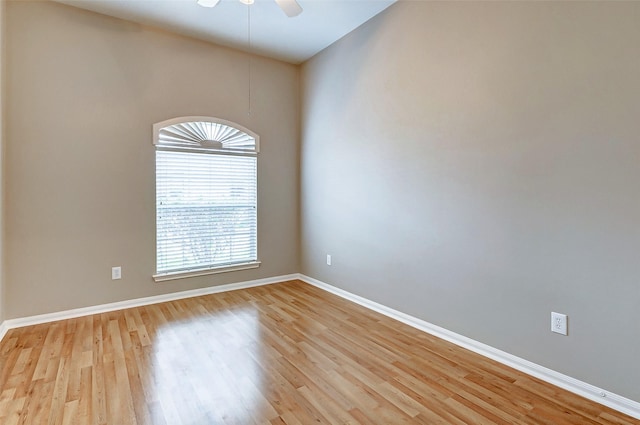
x: 231, y: 137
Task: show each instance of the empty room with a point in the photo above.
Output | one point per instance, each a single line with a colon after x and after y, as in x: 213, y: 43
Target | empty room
x: 319, y: 211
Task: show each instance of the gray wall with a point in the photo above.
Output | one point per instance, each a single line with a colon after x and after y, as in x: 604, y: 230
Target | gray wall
x: 2, y: 102
x: 477, y: 165
x: 84, y: 91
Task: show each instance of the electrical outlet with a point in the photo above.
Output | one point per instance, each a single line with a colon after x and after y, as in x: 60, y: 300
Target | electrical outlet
x: 559, y: 323
x: 116, y: 273
x: 328, y: 259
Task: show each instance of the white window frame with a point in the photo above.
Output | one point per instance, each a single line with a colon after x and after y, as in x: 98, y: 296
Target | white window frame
x: 244, y: 143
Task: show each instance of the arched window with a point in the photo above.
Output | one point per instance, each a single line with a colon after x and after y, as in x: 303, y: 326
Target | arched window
x: 206, y: 197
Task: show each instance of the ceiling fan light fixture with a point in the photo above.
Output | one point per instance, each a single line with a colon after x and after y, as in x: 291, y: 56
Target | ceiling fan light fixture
x: 208, y: 3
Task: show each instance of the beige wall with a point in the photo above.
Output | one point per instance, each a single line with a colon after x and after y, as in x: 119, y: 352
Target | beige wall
x: 84, y: 92
x: 2, y: 102
x: 477, y: 165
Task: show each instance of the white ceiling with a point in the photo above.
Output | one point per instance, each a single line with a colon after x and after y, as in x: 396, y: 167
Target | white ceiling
x: 273, y: 34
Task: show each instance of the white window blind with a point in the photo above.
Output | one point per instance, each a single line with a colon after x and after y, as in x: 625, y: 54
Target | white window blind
x: 206, y: 206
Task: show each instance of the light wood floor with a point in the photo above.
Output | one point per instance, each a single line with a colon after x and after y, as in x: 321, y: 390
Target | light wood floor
x: 279, y: 354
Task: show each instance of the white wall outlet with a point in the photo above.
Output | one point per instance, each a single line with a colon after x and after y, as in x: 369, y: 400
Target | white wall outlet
x: 559, y: 323
x: 116, y: 273
x: 328, y: 259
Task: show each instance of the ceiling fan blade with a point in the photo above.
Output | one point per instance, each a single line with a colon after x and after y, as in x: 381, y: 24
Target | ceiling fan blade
x: 208, y: 3
x: 290, y: 7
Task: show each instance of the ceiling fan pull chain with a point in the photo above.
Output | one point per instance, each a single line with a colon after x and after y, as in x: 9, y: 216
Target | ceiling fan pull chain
x: 250, y: 58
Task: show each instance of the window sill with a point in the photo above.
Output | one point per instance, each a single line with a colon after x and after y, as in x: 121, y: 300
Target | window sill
x: 163, y: 277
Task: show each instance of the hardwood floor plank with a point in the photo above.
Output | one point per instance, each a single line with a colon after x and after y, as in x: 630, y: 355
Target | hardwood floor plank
x: 280, y: 354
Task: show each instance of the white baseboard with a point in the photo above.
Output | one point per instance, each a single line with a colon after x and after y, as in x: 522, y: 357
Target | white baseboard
x: 104, y: 308
x: 3, y: 330
x: 599, y: 395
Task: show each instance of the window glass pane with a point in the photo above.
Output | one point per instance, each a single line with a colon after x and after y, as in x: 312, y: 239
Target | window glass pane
x: 206, y: 210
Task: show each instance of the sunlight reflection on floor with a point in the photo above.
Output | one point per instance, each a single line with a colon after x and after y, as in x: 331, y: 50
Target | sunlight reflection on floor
x: 205, y: 371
